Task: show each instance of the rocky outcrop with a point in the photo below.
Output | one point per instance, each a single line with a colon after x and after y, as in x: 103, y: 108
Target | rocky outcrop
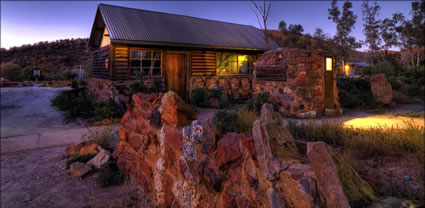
x: 90, y: 149
x: 189, y: 167
x: 381, y: 89
x: 78, y: 169
x: 177, y: 112
x: 338, y: 182
x: 101, y: 158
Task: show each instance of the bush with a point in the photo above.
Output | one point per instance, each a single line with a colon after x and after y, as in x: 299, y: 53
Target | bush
x: 256, y: 103
x: 79, y: 158
x: 27, y: 73
x: 395, y: 84
x: 157, y: 86
x: 108, y: 109
x: 99, y: 136
x: 367, y: 70
x: 245, y: 120
x: 74, y: 104
x: 138, y: 86
x: 109, y: 175
x: 225, y: 121
x: 384, y: 67
x: 356, y: 93
x: 68, y: 75
x: 10, y: 71
x: 200, y: 97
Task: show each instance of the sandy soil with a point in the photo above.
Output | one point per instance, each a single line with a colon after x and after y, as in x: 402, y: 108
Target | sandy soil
x: 36, y: 178
x: 27, y: 110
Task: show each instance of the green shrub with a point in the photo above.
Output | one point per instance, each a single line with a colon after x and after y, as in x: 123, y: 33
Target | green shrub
x: 224, y: 103
x: 215, y: 92
x: 384, y: 67
x: 27, y: 73
x: 109, y: 175
x: 356, y: 93
x: 108, y: 109
x: 82, y: 83
x: 367, y: 70
x: 102, y: 113
x: 395, y: 84
x: 74, y: 104
x: 79, y: 158
x: 10, y: 71
x: 157, y: 86
x: 99, y: 136
x: 200, y: 97
x: 225, y: 121
x: 245, y: 119
x: 256, y: 103
x: 68, y: 75
x: 138, y: 86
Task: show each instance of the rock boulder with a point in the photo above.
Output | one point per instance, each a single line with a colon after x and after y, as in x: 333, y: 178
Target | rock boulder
x: 381, y: 89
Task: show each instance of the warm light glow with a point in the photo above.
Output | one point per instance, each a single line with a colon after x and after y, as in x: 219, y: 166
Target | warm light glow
x: 382, y: 121
x: 328, y: 64
x: 347, y: 69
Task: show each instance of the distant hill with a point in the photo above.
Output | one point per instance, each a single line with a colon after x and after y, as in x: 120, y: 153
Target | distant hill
x: 51, y: 57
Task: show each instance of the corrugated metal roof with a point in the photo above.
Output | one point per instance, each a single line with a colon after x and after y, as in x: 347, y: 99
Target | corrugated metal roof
x: 128, y: 24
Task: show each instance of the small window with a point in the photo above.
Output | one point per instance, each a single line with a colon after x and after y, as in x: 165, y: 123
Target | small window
x: 146, y: 61
x: 328, y: 64
x: 228, y: 63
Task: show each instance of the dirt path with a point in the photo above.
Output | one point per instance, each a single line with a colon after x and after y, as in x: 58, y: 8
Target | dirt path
x: 36, y: 178
x: 27, y: 110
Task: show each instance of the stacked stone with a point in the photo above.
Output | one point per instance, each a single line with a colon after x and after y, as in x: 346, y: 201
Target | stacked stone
x: 303, y: 90
x: 179, y: 162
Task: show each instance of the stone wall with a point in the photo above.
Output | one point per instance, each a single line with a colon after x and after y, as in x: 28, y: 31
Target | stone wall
x: 179, y: 161
x: 303, y: 90
x: 102, y: 89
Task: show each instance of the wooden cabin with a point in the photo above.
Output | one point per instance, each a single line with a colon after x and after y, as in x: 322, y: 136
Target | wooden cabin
x: 183, y: 52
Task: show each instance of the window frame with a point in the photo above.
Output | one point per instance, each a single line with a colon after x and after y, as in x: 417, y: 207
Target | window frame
x: 251, y: 71
x: 161, y: 59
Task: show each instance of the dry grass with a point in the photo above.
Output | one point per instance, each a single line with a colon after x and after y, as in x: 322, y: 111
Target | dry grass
x: 99, y: 136
x: 365, y: 142
x: 245, y: 121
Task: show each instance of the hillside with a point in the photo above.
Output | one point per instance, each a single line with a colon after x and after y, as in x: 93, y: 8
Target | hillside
x: 51, y: 57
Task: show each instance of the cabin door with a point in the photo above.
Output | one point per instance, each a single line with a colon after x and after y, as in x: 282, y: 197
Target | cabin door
x: 330, y: 84
x: 176, y: 73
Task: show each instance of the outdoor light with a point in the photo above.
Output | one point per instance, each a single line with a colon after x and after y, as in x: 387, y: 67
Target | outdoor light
x: 107, y: 63
x: 347, y: 69
x: 328, y: 64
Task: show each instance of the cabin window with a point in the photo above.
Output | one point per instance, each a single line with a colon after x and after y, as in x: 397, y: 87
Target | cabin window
x: 232, y: 63
x: 146, y: 61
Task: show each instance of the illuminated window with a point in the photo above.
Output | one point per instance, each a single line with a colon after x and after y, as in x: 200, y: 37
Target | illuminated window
x: 148, y: 62
x: 228, y: 63
x: 328, y: 64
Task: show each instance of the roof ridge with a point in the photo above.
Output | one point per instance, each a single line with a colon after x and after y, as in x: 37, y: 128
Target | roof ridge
x: 176, y: 15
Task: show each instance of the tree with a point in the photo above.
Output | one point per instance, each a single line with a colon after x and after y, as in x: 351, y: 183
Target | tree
x: 418, y: 24
x: 10, y: 71
x: 388, y: 31
x: 371, y: 27
x: 292, y: 36
x: 342, y: 40
x: 262, y: 13
x: 321, y: 39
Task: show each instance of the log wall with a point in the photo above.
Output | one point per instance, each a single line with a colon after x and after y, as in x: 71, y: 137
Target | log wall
x: 98, y: 63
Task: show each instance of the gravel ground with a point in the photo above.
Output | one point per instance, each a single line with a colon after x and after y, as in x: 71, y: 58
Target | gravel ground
x: 27, y: 110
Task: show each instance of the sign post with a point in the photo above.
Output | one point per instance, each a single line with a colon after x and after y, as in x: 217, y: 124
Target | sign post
x: 36, y: 74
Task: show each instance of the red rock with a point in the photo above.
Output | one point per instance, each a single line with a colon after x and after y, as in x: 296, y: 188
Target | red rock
x: 228, y: 149
x: 381, y: 89
x: 248, y: 143
x: 73, y: 149
x: 173, y: 137
x: 298, y: 186
x: 90, y: 149
x: 175, y: 112
x: 327, y: 176
x: 123, y: 134
x: 135, y: 141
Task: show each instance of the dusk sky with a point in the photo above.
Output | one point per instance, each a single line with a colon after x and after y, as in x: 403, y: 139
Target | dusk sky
x: 30, y: 22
